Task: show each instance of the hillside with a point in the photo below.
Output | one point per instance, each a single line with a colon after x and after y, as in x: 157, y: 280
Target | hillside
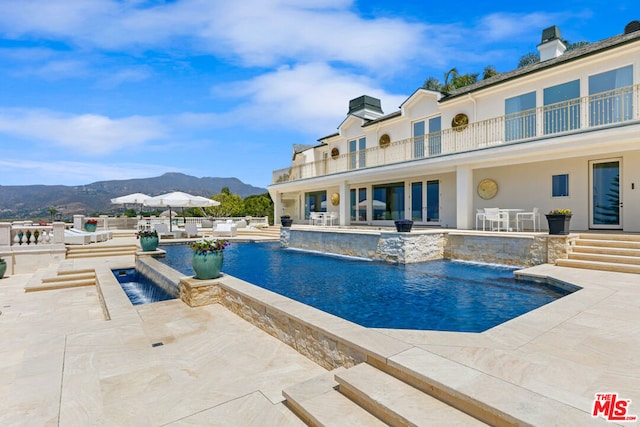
x: 34, y: 201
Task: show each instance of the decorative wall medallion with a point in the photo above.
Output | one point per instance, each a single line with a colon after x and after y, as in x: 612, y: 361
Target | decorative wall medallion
x: 487, y: 189
x: 385, y: 140
x: 335, y: 153
x: 460, y: 122
x: 335, y: 199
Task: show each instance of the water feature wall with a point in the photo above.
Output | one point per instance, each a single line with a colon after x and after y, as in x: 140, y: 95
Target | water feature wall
x: 162, y: 275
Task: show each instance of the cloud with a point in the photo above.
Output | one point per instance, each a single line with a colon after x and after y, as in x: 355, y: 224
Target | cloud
x: 311, y: 98
x: 87, y: 134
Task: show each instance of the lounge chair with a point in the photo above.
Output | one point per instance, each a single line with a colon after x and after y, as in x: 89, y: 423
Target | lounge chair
x: 71, y: 238
x: 163, y: 231
x: 95, y: 236
x: 225, y: 229
x: 191, y: 229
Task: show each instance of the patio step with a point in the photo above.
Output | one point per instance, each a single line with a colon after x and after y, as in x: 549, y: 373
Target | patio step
x: 396, y: 402
x: 607, y: 243
x: 317, y: 402
x: 594, y: 265
x: 605, y: 257
x: 89, y: 251
x: 606, y: 250
x: 49, y: 280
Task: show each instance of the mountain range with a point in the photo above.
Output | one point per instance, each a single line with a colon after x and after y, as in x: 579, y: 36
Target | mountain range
x: 35, y: 201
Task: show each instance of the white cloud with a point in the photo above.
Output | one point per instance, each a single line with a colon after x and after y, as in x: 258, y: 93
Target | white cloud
x: 87, y: 134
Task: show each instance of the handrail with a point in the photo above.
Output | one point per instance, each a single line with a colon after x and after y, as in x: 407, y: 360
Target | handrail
x: 563, y: 118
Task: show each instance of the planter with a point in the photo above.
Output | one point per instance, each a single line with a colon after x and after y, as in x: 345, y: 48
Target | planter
x: 149, y: 243
x: 559, y: 224
x: 207, y: 265
x: 404, y: 225
x: 3, y: 268
x: 90, y: 227
x: 286, y: 222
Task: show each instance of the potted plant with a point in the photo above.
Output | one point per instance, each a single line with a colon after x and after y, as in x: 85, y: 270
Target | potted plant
x: 558, y: 220
x: 207, y: 258
x: 404, y: 225
x: 286, y: 220
x: 91, y: 225
x: 148, y: 240
x: 3, y: 267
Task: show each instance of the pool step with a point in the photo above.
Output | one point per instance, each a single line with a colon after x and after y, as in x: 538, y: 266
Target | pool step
x: 49, y: 280
x: 608, y: 252
x: 365, y: 396
x: 100, y: 251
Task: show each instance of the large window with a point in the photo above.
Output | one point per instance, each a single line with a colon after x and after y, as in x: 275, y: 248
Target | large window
x: 431, y: 205
x: 315, y: 201
x: 435, y: 137
x: 418, y: 139
x: 357, y: 153
x: 562, y: 107
x: 388, y: 201
x: 610, y: 96
x: 520, y: 120
x: 358, y: 204
x: 433, y: 200
x: 416, y: 201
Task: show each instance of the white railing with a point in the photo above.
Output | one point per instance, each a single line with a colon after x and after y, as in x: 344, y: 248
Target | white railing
x: 27, y: 235
x: 590, y: 112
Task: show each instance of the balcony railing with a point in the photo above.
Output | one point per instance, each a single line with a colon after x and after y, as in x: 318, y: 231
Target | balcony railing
x: 590, y: 112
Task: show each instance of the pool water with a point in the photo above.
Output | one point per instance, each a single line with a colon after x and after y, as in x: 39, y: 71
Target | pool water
x: 437, y: 295
x: 139, y: 288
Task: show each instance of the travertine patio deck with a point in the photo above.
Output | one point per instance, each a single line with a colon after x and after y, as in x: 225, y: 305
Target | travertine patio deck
x: 62, y: 364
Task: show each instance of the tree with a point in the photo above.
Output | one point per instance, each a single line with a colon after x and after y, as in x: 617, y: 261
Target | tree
x: 489, y: 71
x: 230, y: 204
x: 528, y: 59
x: 452, y: 80
x: 259, y: 205
x: 52, y: 212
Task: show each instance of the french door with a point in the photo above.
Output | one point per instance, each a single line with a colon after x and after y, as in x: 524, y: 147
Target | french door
x: 605, y: 201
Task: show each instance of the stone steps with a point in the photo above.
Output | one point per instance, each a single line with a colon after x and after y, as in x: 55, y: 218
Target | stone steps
x: 89, y: 251
x: 608, y: 252
x: 49, y: 280
x: 366, y: 396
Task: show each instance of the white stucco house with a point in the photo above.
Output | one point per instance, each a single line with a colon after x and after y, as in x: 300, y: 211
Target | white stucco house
x: 560, y: 133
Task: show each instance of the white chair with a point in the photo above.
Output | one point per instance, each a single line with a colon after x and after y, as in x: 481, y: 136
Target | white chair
x: 533, y: 216
x: 225, y: 229
x: 480, y: 217
x: 191, y: 229
x: 330, y: 217
x: 497, y: 220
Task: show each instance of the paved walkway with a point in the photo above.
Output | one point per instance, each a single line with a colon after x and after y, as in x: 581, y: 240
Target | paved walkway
x: 62, y: 364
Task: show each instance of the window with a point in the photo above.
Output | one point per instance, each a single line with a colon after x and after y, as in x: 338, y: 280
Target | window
x: 388, y: 201
x: 610, y: 99
x: 520, y: 120
x: 433, y: 200
x: 560, y: 185
x: 562, y: 107
x: 418, y: 139
x: 315, y: 201
x: 435, y: 137
x: 358, y: 204
x: 357, y: 153
x: 416, y: 201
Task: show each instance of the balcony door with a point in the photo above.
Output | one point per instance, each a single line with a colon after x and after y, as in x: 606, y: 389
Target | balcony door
x: 606, y: 195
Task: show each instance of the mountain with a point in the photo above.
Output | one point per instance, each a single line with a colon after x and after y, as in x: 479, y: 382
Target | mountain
x: 34, y: 201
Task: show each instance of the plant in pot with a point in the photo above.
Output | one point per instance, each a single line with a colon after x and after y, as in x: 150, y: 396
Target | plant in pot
x: 3, y: 267
x: 91, y: 225
x: 559, y: 220
x: 286, y: 220
x: 403, y: 225
x: 208, y: 256
x: 148, y: 240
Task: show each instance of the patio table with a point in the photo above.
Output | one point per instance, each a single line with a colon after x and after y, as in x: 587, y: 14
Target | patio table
x: 509, y: 212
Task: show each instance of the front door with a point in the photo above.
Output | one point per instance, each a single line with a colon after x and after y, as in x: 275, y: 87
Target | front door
x: 606, y: 194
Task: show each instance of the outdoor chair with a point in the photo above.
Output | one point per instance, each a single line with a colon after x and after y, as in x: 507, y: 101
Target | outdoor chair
x: 533, y: 216
x: 497, y: 220
x: 480, y: 216
x: 191, y: 229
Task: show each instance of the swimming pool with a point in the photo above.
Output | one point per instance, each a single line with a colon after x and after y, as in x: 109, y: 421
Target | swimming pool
x: 140, y: 289
x: 438, y: 295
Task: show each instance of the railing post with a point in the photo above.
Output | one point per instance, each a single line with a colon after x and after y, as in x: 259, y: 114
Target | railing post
x: 78, y: 222
x: 58, y: 233
x: 5, y: 234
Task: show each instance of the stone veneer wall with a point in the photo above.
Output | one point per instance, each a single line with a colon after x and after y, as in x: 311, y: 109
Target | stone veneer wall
x: 162, y: 275
x: 522, y: 250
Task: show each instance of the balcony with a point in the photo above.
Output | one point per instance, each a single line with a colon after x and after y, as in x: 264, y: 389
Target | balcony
x: 588, y: 113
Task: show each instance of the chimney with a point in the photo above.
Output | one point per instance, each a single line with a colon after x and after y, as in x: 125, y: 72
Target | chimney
x: 552, y: 45
x: 366, y: 107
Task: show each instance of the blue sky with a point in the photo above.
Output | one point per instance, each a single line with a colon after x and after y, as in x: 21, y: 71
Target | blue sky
x: 94, y: 90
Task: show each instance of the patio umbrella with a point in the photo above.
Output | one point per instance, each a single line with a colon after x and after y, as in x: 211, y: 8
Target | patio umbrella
x: 178, y: 199
x: 137, y: 198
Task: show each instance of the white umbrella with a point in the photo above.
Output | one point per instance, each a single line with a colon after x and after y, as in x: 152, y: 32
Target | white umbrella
x: 137, y: 198
x: 180, y: 200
